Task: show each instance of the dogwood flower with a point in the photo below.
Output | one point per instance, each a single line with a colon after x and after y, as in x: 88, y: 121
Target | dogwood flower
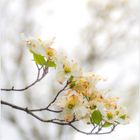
x: 112, y: 112
x: 36, y: 46
x: 73, y: 105
x: 66, y: 69
x: 42, y: 48
x: 122, y: 115
x: 85, y: 84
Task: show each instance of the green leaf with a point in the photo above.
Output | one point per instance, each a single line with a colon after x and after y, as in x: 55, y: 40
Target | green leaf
x: 51, y: 64
x: 39, y: 59
x: 107, y: 124
x: 96, y: 117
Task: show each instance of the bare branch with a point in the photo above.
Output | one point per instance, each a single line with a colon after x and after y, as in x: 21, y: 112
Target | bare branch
x: 39, y: 78
x: 58, y: 94
x: 58, y: 121
x: 30, y: 112
x: 47, y: 107
x: 92, y: 132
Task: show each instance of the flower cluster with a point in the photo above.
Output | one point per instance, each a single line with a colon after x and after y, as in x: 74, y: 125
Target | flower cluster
x: 81, y: 100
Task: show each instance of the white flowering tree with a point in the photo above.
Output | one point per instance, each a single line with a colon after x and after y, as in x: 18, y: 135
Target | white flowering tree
x: 79, y: 100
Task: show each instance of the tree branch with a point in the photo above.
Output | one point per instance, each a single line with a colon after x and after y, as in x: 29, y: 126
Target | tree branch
x: 39, y: 78
x: 28, y: 111
x: 97, y: 129
x: 47, y: 107
x: 57, y: 121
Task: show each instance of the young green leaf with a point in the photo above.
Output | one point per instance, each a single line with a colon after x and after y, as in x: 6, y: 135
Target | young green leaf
x: 51, y: 64
x: 39, y: 59
x: 96, y: 117
x: 107, y: 124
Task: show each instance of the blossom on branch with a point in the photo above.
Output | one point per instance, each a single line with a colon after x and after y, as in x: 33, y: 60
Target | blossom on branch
x: 42, y: 52
x: 82, y: 100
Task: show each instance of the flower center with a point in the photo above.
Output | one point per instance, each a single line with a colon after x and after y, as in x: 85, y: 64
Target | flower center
x: 67, y: 69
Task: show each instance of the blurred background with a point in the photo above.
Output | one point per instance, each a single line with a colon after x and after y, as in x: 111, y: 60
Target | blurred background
x: 101, y: 35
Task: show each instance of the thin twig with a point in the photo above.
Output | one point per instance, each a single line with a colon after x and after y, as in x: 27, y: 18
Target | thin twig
x: 94, y: 127
x: 91, y: 133
x: 58, y: 95
x: 45, y: 71
x: 47, y: 107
